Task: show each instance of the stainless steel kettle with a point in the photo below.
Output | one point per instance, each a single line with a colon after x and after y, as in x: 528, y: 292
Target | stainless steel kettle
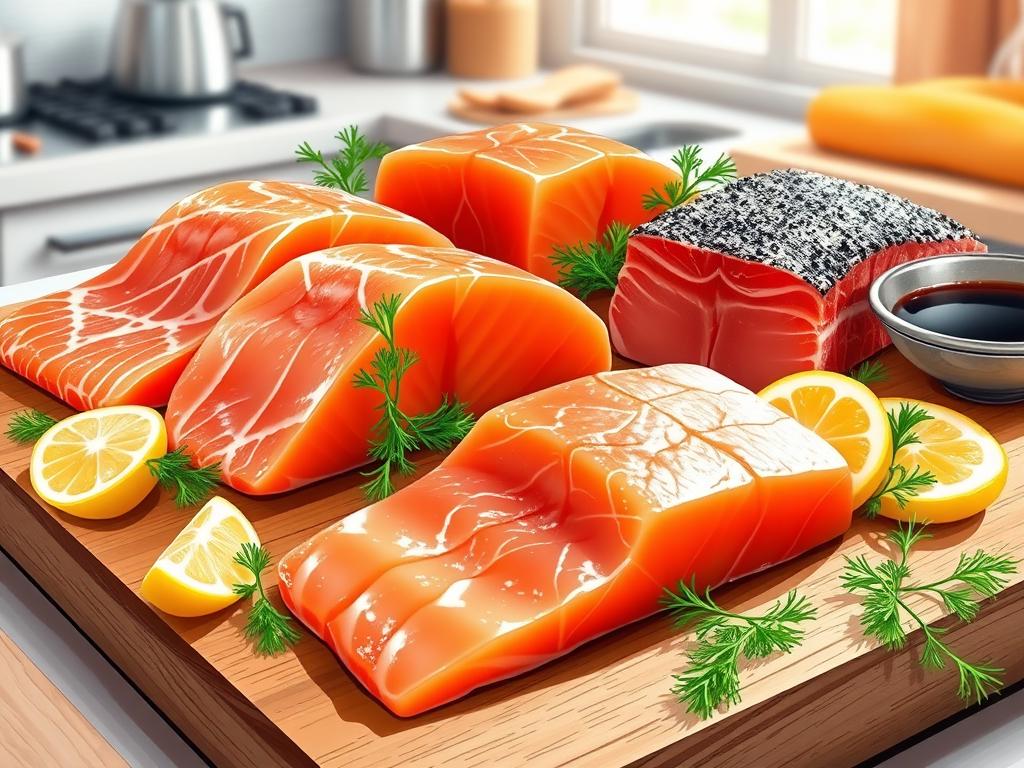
x: 178, y: 50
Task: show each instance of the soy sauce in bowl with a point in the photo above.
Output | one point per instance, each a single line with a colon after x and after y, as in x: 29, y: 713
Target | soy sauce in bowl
x: 981, y: 310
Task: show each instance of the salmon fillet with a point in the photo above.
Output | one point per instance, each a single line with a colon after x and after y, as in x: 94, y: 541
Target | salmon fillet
x: 560, y: 517
x: 514, y: 192
x: 270, y: 392
x: 769, y: 275
x: 124, y: 336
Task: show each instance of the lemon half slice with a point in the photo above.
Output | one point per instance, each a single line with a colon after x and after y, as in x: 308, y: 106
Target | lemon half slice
x: 847, y: 415
x: 93, y: 464
x: 970, y: 466
x: 195, y: 574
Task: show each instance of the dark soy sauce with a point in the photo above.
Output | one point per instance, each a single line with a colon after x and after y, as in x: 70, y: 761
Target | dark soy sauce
x: 982, y: 310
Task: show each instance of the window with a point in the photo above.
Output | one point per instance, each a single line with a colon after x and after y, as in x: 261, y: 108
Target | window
x: 797, y: 41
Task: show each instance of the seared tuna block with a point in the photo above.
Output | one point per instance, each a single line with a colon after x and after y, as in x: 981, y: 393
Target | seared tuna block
x: 770, y: 274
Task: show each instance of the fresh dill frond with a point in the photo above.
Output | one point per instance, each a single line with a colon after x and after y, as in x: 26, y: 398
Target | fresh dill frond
x: 175, y: 473
x: 901, y: 484
x: 694, y: 178
x: 586, y: 268
x: 886, y: 604
x: 870, y: 372
x: 28, y: 426
x: 723, y: 637
x: 269, y: 629
x: 397, y: 434
x: 346, y: 170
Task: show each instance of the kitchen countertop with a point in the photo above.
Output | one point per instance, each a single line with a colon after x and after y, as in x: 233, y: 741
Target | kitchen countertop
x: 398, y: 110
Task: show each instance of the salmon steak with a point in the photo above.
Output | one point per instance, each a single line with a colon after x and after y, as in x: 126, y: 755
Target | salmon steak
x: 769, y: 275
x: 561, y: 516
x: 124, y: 336
x: 514, y: 192
x: 271, y: 396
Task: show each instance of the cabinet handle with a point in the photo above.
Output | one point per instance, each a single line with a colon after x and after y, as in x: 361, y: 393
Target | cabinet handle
x: 69, y: 245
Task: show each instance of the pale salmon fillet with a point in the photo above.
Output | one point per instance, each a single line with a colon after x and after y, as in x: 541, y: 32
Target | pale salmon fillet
x: 270, y: 392
x: 560, y: 517
x: 125, y: 335
x: 514, y: 192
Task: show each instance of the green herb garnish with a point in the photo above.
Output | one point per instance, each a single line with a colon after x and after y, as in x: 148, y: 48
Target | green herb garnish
x: 886, y: 604
x: 28, y: 426
x: 270, y: 630
x: 589, y: 267
x: 345, y: 171
x: 901, y: 484
x: 870, y: 372
x: 175, y: 473
x: 712, y: 673
x: 396, y: 434
x: 695, y: 178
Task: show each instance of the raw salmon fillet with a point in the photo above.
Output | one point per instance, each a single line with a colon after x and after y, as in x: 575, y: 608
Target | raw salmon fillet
x: 270, y: 392
x: 124, y: 336
x: 516, y: 191
x: 560, y: 517
x: 769, y: 275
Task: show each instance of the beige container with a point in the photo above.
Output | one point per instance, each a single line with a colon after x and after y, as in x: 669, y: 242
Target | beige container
x: 492, y: 39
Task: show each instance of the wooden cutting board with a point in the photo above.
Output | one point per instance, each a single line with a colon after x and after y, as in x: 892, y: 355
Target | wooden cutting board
x: 836, y: 701
x: 617, y: 102
x: 991, y: 210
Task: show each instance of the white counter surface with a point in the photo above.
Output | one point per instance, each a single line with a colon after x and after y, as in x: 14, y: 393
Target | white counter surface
x: 400, y: 111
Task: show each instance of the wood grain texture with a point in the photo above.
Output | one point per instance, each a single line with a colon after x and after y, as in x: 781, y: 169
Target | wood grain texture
x: 40, y: 726
x: 835, y: 701
x: 990, y: 209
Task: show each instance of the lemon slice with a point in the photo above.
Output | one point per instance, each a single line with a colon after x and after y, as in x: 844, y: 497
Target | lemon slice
x: 970, y: 466
x: 93, y: 464
x: 847, y: 415
x: 194, y: 575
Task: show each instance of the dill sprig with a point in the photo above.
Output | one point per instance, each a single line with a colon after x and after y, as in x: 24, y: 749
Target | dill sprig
x: 886, y: 604
x: 694, y: 178
x: 175, y: 473
x: 345, y: 170
x: 270, y: 630
x: 28, y: 426
x: 589, y: 267
x: 870, y: 372
x: 712, y: 673
x: 901, y: 484
x: 396, y: 434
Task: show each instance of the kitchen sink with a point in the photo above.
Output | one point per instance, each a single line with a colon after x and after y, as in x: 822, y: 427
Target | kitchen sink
x: 671, y: 134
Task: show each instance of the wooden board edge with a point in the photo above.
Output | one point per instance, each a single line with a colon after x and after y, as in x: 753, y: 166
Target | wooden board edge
x: 184, y: 686
x: 829, y: 721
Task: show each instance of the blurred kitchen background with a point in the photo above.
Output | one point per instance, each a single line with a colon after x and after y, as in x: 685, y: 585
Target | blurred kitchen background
x: 111, y: 110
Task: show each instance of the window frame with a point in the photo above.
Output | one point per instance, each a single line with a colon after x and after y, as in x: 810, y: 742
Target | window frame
x: 779, y: 80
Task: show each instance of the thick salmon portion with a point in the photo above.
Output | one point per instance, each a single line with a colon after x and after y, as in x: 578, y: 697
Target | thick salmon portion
x: 560, y: 517
x: 514, y: 192
x: 124, y: 336
x: 270, y: 392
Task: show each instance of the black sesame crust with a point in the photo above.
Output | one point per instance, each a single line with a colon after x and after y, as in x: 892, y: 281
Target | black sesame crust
x: 817, y: 227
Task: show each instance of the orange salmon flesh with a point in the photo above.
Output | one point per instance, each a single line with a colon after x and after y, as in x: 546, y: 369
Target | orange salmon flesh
x: 124, y: 336
x: 561, y: 517
x: 270, y: 393
x: 514, y: 192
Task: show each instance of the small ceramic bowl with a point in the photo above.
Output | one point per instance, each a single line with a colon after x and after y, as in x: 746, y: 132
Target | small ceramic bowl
x: 982, y: 371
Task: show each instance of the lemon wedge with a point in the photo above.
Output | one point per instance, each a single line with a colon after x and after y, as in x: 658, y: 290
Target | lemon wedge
x: 194, y: 575
x: 93, y: 464
x: 847, y: 415
x: 970, y: 466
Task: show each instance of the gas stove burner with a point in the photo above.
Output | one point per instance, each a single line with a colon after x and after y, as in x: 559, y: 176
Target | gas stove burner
x: 92, y: 110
